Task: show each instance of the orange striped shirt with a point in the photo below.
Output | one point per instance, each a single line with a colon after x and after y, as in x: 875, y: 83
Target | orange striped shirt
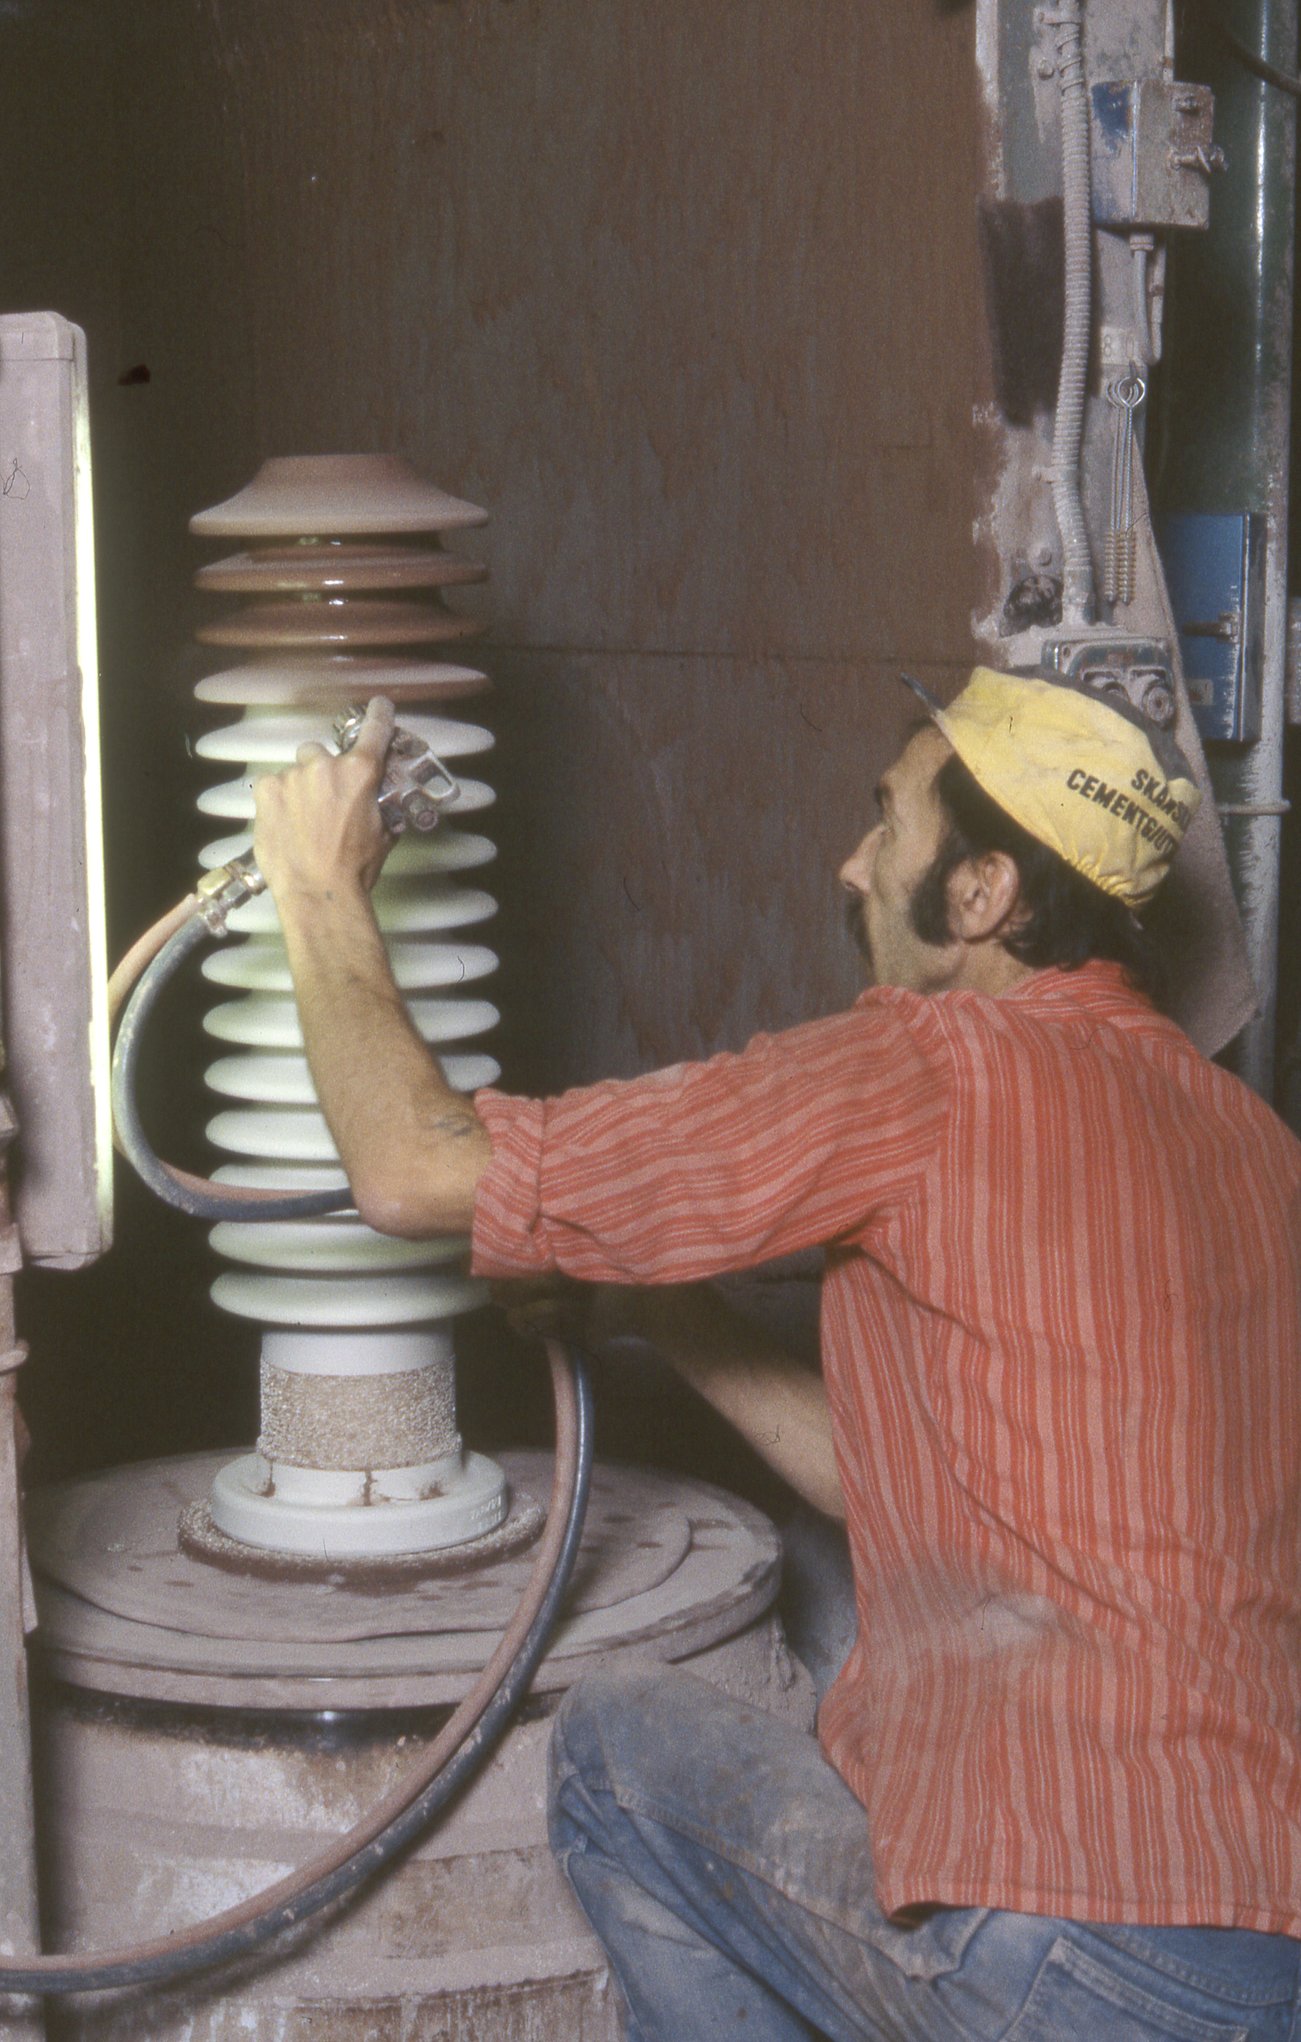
x: 1061, y: 1340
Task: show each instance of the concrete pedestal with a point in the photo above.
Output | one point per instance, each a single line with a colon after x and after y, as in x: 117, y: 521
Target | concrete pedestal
x: 160, y: 1807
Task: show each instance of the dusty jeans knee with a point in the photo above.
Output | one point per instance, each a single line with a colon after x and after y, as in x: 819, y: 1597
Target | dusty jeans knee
x: 727, y: 1871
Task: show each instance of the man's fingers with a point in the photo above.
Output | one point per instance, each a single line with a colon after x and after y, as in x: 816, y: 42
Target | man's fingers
x: 376, y: 733
x: 311, y: 750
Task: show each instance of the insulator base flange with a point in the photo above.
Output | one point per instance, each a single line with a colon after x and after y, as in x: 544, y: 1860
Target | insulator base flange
x: 246, y: 1504
x: 376, y: 1573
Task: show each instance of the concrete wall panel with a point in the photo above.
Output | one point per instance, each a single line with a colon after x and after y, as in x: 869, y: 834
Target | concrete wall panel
x: 684, y: 295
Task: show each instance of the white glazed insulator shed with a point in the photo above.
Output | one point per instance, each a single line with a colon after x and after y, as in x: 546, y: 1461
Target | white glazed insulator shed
x: 342, y: 578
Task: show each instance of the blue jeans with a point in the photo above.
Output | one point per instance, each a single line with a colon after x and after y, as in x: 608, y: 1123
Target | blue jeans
x: 727, y: 1870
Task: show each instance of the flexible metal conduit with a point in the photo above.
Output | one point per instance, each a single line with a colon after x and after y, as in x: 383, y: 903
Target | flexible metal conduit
x: 1077, y: 219
x: 461, y: 1746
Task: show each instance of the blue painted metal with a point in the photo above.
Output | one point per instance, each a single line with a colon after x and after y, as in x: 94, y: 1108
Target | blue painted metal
x: 1115, y: 157
x: 1214, y: 567
x: 1227, y: 426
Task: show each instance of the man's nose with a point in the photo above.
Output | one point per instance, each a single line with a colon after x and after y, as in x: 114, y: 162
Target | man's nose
x: 856, y: 872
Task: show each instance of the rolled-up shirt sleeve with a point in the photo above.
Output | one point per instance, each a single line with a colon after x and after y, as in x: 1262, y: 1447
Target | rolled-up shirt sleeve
x: 803, y: 1138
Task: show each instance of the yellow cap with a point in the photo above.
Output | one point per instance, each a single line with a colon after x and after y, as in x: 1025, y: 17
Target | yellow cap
x: 1086, y: 776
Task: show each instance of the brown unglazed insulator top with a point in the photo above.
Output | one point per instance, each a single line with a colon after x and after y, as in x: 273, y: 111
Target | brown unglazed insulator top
x: 341, y: 621
x: 335, y: 496
x: 335, y: 566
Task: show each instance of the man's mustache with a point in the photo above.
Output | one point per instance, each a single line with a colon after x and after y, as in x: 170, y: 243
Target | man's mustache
x: 856, y: 925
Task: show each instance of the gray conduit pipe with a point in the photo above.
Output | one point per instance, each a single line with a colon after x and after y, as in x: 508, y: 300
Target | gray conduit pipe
x: 1067, y: 20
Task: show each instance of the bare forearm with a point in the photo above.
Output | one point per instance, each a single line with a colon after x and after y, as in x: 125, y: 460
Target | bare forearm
x: 412, y: 1148
x: 775, y: 1403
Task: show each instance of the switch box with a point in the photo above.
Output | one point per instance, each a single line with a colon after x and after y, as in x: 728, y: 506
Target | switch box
x: 1215, y: 572
x: 1153, y: 154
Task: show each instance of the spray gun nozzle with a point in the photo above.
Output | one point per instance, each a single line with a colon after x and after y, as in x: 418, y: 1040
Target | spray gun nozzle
x: 416, y: 787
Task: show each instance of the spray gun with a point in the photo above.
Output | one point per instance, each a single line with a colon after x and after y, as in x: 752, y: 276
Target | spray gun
x: 415, y: 790
x: 413, y: 793
x: 416, y: 787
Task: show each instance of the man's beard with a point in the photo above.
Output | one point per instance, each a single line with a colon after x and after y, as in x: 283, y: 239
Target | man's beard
x: 856, y: 919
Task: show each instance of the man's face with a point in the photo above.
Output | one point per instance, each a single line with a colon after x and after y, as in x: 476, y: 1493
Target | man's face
x: 882, y: 875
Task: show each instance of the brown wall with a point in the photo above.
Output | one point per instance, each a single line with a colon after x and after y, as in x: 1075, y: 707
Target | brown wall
x: 681, y: 293
x: 684, y: 294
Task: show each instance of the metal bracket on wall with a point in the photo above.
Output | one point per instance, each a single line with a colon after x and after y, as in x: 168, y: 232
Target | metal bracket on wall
x: 1137, y: 669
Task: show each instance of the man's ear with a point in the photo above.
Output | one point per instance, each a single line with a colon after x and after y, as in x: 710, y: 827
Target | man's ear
x: 984, y: 897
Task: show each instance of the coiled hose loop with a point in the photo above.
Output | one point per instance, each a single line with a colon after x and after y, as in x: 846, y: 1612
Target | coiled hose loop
x: 461, y: 1746
x: 200, y: 1197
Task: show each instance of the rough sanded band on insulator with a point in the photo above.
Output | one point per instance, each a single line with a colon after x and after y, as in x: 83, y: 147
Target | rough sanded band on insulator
x: 335, y: 1422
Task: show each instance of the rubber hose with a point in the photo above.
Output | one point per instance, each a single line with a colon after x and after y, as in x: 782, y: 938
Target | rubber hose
x: 200, y: 1197
x: 460, y: 1747
x: 1078, y: 600
x: 145, y: 949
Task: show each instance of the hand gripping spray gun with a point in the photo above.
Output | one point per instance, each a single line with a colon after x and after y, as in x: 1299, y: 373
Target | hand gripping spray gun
x: 413, y: 793
x: 415, y: 790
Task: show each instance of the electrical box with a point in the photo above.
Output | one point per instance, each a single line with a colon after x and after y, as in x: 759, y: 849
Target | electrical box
x: 53, y: 952
x: 1137, y: 670
x: 1215, y: 572
x: 1152, y: 154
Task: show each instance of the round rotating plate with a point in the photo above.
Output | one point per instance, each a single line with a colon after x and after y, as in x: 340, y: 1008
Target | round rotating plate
x: 667, y: 1564
x: 112, y: 1540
